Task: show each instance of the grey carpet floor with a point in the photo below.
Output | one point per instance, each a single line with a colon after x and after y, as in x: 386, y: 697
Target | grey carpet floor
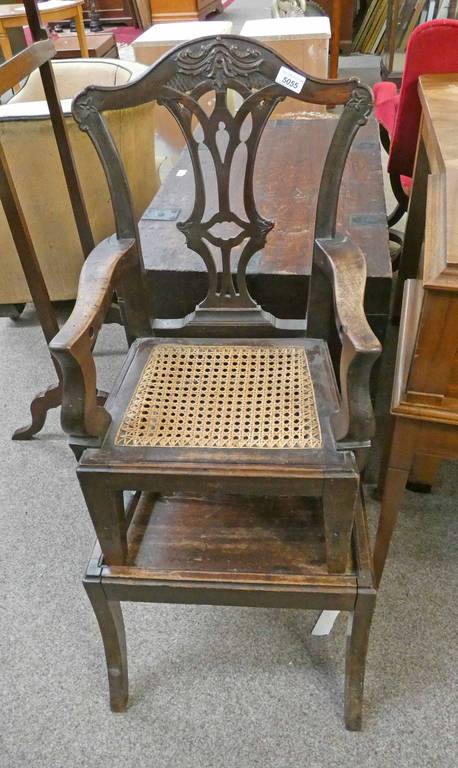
x: 210, y: 687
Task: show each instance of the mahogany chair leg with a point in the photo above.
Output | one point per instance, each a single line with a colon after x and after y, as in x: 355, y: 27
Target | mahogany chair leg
x: 111, y: 625
x: 106, y: 508
x: 400, y: 459
x: 39, y: 407
x: 339, y: 499
x: 359, y: 625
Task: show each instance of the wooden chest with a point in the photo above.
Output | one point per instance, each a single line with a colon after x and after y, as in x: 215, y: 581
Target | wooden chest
x: 100, y: 45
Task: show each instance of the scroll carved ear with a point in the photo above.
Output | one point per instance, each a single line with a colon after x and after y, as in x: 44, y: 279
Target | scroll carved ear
x: 361, y: 102
x: 84, y: 109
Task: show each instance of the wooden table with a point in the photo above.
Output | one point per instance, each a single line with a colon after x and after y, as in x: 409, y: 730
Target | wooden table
x: 14, y: 15
x: 288, y: 170
x: 425, y: 392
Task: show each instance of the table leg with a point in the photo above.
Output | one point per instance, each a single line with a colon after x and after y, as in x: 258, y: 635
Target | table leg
x: 81, y: 32
x: 336, y: 15
x: 5, y: 44
x: 39, y: 407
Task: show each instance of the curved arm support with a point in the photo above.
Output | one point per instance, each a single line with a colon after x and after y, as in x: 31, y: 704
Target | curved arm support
x: 344, y: 264
x: 109, y: 266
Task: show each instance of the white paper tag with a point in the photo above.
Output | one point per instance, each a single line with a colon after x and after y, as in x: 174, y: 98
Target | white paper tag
x: 182, y: 172
x: 325, y: 623
x: 290, y: 79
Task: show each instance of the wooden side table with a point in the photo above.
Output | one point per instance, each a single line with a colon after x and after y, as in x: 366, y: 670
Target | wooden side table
x: 14, y: 15
x: 425, y: 392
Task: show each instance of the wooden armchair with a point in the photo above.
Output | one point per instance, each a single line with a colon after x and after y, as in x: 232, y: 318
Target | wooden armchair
x: 229, y: 403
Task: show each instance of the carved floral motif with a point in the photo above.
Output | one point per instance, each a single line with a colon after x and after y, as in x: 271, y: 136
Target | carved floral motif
x: 83, y: 109
x: 360, y: 101
x: 219, y: 62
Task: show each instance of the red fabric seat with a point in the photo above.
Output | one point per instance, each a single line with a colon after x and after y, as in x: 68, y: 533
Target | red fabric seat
x: 432, y: 49
x: 386, y: 102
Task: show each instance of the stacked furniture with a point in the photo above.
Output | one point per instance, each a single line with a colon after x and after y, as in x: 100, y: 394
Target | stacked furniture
x: 221, y: 414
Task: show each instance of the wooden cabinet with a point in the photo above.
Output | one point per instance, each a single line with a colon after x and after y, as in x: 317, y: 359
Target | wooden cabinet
x: 425, y: 392
x: 111, y: 11
x: 183, y: 10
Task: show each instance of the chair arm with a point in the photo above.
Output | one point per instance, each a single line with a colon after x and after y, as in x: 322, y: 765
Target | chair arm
x: 344, y: 264
x: 72, y: 347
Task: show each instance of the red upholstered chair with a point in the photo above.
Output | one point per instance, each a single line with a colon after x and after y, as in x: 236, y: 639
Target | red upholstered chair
x: 432, y: 49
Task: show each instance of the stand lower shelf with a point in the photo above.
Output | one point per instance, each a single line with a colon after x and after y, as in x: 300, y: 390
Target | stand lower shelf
x: 233, y: 551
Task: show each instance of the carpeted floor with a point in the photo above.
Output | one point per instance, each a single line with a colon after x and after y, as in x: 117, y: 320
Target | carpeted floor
x: 210, y: 687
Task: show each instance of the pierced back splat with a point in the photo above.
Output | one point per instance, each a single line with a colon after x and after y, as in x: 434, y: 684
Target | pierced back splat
x: 216, y: 68
x: 226, y: 239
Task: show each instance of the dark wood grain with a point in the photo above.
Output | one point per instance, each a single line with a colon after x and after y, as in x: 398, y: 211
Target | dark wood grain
x: 228, y: 538
x: 262, y: 550
x: 288, y: 169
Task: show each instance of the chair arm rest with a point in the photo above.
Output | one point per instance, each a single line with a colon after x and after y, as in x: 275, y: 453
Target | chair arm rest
x: 72, y: 346
x: 344, y: 264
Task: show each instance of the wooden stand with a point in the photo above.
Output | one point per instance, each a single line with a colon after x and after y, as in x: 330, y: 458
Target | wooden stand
x: 38, y: 55
x: 282, y: 564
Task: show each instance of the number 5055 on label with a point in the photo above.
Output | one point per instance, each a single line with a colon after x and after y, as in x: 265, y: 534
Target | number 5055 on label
x: 290, y: 79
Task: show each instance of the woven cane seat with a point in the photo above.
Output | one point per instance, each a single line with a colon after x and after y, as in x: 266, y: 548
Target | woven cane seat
x: 231, y: 396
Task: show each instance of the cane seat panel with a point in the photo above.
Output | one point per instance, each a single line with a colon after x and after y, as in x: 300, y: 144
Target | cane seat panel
x: 223, y: 396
